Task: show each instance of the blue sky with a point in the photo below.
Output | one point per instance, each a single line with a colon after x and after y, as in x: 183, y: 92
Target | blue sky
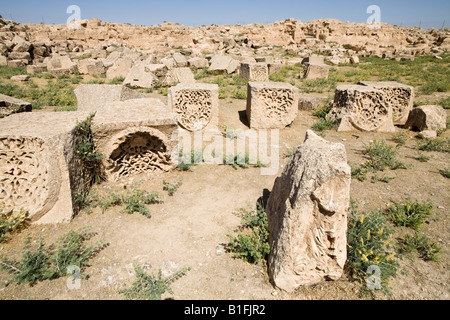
x: 430, y: 13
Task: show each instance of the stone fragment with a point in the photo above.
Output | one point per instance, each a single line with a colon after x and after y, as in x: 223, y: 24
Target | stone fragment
x: 92, y: 96
x: 307, y: 216
x: 308, y: 102
x: 20, y: 78
x: 257, y: 72
x: 10, y: 105
x: 198, y: 62
x: 178, y: 75
x: 3, y: 61
x: 41, y: 171
x: 430, y: 117
x: 34, y: 69
x: 159, y: 70
x: 140, y: 78
x: 196, y: 106
x: 16, y: 63
x: 274, y: 67
x: 223, y: 64
x: 400, y: 96
x: 180, y: 60
x: 121, y: 68
x: 271, y: 105
x: 362, y: 108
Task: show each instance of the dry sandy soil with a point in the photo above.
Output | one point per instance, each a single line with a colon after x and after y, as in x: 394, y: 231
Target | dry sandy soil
x: 190, y: 228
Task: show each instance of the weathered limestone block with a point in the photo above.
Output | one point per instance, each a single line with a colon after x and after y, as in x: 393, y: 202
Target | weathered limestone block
x: 16, y: 63
x: 135, y: 137
x: 40, y: 170
x: 120, y: 68
x: 314, y: 59
x: 400, y: 96
x: 91, y: 66
x: 362, y: 108
x: 178, y: 75
x: 10, y: 105
x: 308, y: 102
x: 159, y: 70
x: 92, y: 96
x: 312, y: 71
x: 180, y: 60
x: 274, y: 67
x: 427, y: 118
x: 196, y: 106
x: 258, y: 72
x: 34, y: 69
x: 307, y: 215
x: 20, y: 78
x: 271, y: 105
x: 198, y: 62
x: 139, y: 77
x: 3, y: 60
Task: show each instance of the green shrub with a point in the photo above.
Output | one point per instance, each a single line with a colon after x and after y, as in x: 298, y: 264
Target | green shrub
x: 369, y: 242
x: 240, y: 93
x: 117, y: 80
x: 252, y: 245
x: 382, y: 156
x: 8, y: 72
x: 445, y: 172
x: 324, y: 125
x: 421, y: 157
x: 437, y: 144
x: 410, y: 214
x: 427, y: 250
x: 40, y: 262
x: 85, y: 142
x: 400, y: 138
x: 150, y: 287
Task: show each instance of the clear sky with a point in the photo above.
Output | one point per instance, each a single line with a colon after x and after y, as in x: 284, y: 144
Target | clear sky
x: 424, y: 13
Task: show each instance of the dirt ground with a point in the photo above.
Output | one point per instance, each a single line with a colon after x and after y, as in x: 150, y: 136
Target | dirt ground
x: 190, y: 229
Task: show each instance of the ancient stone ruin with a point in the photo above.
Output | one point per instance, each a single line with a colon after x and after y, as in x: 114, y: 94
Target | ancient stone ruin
x: 196, y: 106
x: 271, y: 105
x: 307, y: 215
x: 362, y: 108
x: 10, y: 105
x: 257, y: 72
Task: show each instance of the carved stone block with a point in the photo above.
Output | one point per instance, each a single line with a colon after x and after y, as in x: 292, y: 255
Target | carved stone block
x: 271, y: 105
x: 312, y: 71
x: 196, y: 106
x: 362, y: 108
x: 400, y: 96
x: 40, y: 170
x: 307, y: 216
x: 258, y: 72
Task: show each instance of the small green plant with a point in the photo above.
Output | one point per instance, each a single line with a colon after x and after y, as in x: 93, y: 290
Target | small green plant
x: 151, y: 287
x: 382, y: 156
x: 187, y: 161
x: 240, y: 93
x: 370, y: 243
x: 411, y: 214
x: 171, y: 188
x: 445, y: 173
x: 134, y: 201
x: 323, y: 125
x: 385, y: 179
x: 40, y: 262
x: 11, y: 222
x: 252, y: 245
x: 422, y: 245
x: 85, y: 143
x: 117, y: 80
x: 358, y: 173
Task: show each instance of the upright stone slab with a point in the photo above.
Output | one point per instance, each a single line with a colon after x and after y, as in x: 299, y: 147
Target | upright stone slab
x: 307, y: 215
x: 400, y: 96
x: 362, y: 108
x: 430, y: 117
x: 40, y: 169
x: 313, y: 71
x: 135, y: 137
x: 195, y: 105
x: 271, y: 105
x: 10, y: 105
x: 139, y: 77
x: 91, y: 96
x: 178, y: 75
x: 258, y: 72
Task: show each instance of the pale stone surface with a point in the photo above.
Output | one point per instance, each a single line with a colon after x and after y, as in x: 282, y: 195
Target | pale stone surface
x: 10, y: 105
x: 271, y: 105
x: 159, y: 70
x: 362, y: 108
x: 135, y: 137
x: 120, y: 68
x: 308, y: 102
x: 274, y: 67
x: 180, y: 60
x: 400, y: 96
x: 223, y: 64
x: 307, y: 215
x: 3, y: 61
x: 198, y: 62
x: 312, y: 71
x: 195, y: 104
x: 42, y: 171
x: 92, y: 96
x: 178, y: 75
x: 20, y: 78
x: 33, y: 69
x: 427, y: 118
x: 140, y: 78
x: 258, y: 72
